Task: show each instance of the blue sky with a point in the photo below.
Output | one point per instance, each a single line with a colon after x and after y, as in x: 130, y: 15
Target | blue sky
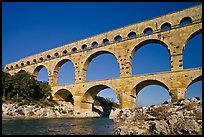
x: 34, y: 27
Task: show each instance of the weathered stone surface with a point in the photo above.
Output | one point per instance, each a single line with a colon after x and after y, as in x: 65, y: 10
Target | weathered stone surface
x: 183, y: 119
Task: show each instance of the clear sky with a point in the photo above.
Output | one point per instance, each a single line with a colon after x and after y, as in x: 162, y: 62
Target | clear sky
x: 34, y: 27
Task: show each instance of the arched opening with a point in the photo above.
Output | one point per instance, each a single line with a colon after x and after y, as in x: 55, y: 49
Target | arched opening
x: 84, y: 47
x: 150, y: 56
x: 74, y: 50
x: 48, y: 56
x: 21, y: 71
x: 148, y: 31
x: 192, y: 52
x: 132, y: 35
x: 101, y: 99
x: 166, y: 26
x: 102, y: 65
x: 94, y: 44
x: 118, y: 38
x: 64, y: 70
x: 64, y: 96
x: 151, y: 92
x: 65, y: 52
x: 106, y: 41
x: 185, y: 21
x: 41, y: 73
x: 194, y: 89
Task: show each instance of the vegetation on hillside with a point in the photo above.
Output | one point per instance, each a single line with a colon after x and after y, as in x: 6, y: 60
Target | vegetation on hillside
x: 24, y: 89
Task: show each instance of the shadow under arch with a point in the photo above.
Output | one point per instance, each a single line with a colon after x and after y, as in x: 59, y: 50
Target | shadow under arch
x: 20, y: 71
x: 64, y: 95
x: 94, y: 55
x: 146, y: 83
x: 89, y: 97
x: 149, y: 41
x: 57, y: 69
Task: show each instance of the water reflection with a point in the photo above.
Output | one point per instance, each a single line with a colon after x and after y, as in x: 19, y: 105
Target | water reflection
x: 69, y: 126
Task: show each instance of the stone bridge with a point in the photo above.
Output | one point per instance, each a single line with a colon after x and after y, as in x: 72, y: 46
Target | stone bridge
x: 172, y: 31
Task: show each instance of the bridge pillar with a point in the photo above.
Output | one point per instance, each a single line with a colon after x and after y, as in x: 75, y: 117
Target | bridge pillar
x: 176, y: 62
x: 177, y: 94
x: 125, y: 66
x: 126, y: 100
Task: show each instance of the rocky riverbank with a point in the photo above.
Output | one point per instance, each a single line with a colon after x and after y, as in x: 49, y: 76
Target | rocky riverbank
x: 13, y: 111
x: 181, y: 118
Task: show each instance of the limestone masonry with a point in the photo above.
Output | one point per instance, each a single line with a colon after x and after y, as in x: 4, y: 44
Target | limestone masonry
x: 122, y: 44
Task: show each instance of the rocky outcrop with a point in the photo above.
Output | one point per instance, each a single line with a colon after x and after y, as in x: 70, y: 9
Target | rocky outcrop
x: 181, y: 118
x: 13, y: 110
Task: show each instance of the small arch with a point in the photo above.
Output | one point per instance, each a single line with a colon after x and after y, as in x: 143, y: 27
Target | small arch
x: 84, y: 47
x: 185, y: 21
x: 74, y: 49
x: 118, y: 38
x: 56, y: 54
x: 94, y: 44
x: 22, y: 64
x: 65, y: 52
x: 148, y: 31
x: 7, y: 68
x: 34, y: 60
x: 11, y: 67
x: 41, y: 58
x: 21, y: 71
x: 16, y: 66
x: 106, y: 41
x: 132, y: 35
x: 39, y: 68
x: 166, y: 26
x: 28, y: 62
x: 48, y: 56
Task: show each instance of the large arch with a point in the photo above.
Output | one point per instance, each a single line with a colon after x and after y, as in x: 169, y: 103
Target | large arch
x: 90, y: 95
x: 97, y: 54
x: 145, y: 56
x: 192, y: 54
x: 38, y: 69
x: 64, y: 95
x: 57, y: 69
x: 149, y: 83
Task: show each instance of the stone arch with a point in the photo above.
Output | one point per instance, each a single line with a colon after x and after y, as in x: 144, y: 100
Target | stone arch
x: 22, y: 70
x: 57, y: 68
x: 141, y: 85
x: 64, y: 95
x: 94, y: 55
x: 196, y: 79
x: 188, y: 19
x: 90, y: 94
x: 164, y: 25
x: 191, y: 35
x: 149, y: 41
x: 37, y: 69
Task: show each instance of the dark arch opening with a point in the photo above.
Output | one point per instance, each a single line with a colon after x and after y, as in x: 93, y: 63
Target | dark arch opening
x: 21, y: 71
x: 56, y: 54
x: 132, y: 35
x: 192, y: 52
x: 118, y: 38
x: 151, y: 92
x: 194, y: 89
x: 41, y: 58
x: 150, y: 56
x: 98, y: 99
x: 41, y: 73
x: 64, y: 95
x: 74, y: 49
x: 102, y: 65
x: 185, y: 21
x: 166, y: 26
x: 34, y: 60
x: 148, y: 31
x: 94, y: 44
x: 64, y: 71
x: 65, y: 52
x: 84, y: 47
x: 106, y: 41
x: 28, y: 62
x: 48, y: 56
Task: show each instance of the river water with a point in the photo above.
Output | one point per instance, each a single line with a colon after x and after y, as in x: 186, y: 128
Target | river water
x: 59, y: 126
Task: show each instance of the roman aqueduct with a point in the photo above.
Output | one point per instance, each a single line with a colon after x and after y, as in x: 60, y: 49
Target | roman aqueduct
x: 122, y: 43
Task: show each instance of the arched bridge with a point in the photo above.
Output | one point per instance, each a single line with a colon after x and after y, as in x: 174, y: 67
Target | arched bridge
x: 167, y: 30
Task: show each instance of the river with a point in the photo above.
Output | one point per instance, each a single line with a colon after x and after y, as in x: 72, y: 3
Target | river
x: 59, y: 126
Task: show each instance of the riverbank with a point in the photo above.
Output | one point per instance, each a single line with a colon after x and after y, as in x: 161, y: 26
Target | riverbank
x: 65, y: 110
x: 181, y: 118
